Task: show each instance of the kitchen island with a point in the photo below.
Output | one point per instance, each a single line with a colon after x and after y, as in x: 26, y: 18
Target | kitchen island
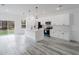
x: 35, y: 34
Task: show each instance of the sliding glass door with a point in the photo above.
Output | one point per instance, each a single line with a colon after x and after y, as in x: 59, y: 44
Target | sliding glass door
x: 6, y: 27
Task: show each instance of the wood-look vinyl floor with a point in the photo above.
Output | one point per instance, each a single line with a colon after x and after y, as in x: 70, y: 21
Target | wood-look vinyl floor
x: 53, y: 46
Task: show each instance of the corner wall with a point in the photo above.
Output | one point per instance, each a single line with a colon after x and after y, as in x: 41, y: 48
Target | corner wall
x: 74, y: 24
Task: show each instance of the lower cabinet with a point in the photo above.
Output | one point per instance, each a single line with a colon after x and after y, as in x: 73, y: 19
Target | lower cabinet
x: 39, y: 35
x: 60, y: 33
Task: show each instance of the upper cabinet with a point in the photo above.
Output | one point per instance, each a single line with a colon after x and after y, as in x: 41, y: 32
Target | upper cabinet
x: 61, y: 19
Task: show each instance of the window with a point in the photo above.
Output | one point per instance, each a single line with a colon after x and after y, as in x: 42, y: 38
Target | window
x: 23, y: 23
x: 6, y: 27
x: 10, y: 25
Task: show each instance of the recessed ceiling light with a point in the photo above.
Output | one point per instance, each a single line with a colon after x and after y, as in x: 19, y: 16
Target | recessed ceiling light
x: 36, y: 7
x: 2, y: 4
x: 59, y: 7
x: 6, y: 10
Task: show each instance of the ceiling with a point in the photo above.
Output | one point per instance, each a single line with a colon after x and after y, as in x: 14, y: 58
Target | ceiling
x: 23, y: 9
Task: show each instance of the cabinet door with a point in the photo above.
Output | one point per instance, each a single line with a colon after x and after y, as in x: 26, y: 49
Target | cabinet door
x: 65, y: 19
x: 58, y: 20
x: 51, y: 33
x: 62, y: 19
x: 66, y: 35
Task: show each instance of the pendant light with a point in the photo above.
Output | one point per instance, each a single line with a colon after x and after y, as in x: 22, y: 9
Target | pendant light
x: 36, y: 13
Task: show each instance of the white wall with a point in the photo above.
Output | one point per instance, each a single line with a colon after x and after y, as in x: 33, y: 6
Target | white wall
x: 75, y: 24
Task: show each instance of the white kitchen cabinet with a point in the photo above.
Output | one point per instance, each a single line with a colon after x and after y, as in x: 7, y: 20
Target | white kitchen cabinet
x: 51, y: 33
x: 66, y: 35
x: 61, y: 19
x: 60, y: 31
x: 60, y: 25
